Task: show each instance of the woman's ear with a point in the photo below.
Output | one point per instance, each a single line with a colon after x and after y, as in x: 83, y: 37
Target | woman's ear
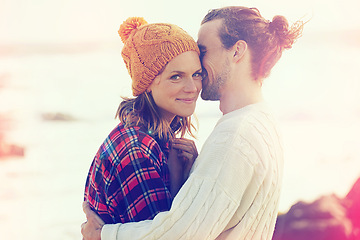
x: 148, y: 90
x: 239, y: 50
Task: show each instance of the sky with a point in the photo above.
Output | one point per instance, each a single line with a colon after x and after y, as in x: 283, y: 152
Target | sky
x: 74, y: 21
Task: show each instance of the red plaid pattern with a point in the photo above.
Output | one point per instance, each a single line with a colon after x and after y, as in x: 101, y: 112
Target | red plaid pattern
x: 128, y: 180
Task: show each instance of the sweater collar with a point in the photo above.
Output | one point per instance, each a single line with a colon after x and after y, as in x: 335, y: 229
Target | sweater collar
x: 260, y: 106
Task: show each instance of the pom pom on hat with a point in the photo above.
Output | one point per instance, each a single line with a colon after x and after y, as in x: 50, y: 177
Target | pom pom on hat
x: 130, y: 25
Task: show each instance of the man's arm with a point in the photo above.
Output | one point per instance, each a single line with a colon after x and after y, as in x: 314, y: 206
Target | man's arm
x: 206, y: 202
x: 91, y: 229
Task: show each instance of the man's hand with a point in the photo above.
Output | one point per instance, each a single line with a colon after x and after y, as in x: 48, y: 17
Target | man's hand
x: 91, y: 229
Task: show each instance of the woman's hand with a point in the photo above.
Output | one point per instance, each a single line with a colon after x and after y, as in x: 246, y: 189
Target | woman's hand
x: 182, y: 155
x: 176, y: 172
x: 186, y: 152
x: 91, y: 229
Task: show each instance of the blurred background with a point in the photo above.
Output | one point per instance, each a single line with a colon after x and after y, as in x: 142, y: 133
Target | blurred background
x: 62, y: 78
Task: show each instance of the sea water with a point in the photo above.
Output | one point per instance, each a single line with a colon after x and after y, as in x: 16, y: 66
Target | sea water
x: 313, y: 93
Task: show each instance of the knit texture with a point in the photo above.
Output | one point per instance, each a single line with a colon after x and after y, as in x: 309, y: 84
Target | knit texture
x: 233, y: 190
x: 149, y: 47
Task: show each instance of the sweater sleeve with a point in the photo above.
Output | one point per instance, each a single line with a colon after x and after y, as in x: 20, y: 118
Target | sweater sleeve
x: 137, y: 188
x: 207, y: 201
x: 127, y: 181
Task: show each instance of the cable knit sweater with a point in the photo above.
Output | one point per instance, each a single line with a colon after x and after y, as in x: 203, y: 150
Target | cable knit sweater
x: 233, y: 189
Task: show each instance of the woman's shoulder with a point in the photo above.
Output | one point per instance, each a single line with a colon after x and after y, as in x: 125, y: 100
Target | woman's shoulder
x: 130, y: 137
x: 135, y: 141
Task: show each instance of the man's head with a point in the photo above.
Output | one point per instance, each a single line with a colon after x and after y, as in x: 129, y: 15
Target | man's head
x: 214, y: 60
x: 223, y: 28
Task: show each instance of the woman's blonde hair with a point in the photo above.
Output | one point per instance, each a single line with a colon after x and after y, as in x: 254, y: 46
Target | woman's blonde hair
x: 142, y: 111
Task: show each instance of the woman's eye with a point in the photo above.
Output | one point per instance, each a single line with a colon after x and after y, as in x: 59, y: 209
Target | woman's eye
x: 175, y: 77
x: 197, y: 75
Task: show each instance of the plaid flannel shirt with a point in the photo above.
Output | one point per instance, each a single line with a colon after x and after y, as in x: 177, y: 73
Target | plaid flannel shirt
x: 128, y: 180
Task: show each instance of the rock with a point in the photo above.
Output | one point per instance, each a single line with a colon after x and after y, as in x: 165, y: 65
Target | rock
x: 57, y: 117
x: 325, y: 218
x: 352, y: 204
x: 329, y: 217
x: 6, y: 124
x: 10, y: 150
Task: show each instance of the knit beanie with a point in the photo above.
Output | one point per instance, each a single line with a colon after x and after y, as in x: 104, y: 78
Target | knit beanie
x: 149, y: 47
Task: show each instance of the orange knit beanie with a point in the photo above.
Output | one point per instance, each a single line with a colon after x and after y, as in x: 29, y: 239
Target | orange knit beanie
x: 149, y: 47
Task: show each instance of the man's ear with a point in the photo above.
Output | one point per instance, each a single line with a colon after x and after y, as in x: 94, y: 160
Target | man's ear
x: 239, y: 50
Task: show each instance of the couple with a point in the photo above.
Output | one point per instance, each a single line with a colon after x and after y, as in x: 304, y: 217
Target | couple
x: 142, y: 171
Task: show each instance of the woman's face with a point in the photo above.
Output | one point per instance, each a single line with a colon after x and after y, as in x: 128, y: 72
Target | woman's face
x: 177, y: 88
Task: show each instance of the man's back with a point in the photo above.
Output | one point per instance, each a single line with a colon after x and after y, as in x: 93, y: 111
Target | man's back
x: 252, y: 135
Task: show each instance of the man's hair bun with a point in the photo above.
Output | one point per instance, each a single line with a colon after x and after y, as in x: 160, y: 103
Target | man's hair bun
x: 286, y: 35
x: 129, y: 25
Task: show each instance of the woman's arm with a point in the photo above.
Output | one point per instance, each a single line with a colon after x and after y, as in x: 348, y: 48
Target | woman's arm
x: 129, y: 179
x: 138, y: 191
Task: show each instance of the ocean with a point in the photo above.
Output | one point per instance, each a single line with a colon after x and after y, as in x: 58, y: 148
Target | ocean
x: 313, y: 92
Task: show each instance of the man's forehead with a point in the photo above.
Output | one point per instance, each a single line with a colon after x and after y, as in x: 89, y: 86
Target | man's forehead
x: 209, y: 29
x: 208, y: 34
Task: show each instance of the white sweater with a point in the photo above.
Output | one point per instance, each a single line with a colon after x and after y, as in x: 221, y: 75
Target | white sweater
x: 234, y: 186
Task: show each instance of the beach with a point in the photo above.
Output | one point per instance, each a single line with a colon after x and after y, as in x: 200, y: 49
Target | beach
x: 59, y: 93
x: 61, y: 115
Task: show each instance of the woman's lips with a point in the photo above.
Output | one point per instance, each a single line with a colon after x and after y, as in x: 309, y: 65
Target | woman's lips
x: 187, y: 100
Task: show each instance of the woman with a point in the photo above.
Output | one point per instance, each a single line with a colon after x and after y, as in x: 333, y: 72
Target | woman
x: 130, y: 179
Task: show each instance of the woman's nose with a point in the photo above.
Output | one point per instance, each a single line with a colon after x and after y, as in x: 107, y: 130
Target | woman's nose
x: 190, y: 85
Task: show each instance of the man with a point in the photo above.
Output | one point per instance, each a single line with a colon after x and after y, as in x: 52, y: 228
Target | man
x: 234, y: 188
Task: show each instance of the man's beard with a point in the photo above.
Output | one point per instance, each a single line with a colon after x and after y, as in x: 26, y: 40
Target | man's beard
x: 211, y: 91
